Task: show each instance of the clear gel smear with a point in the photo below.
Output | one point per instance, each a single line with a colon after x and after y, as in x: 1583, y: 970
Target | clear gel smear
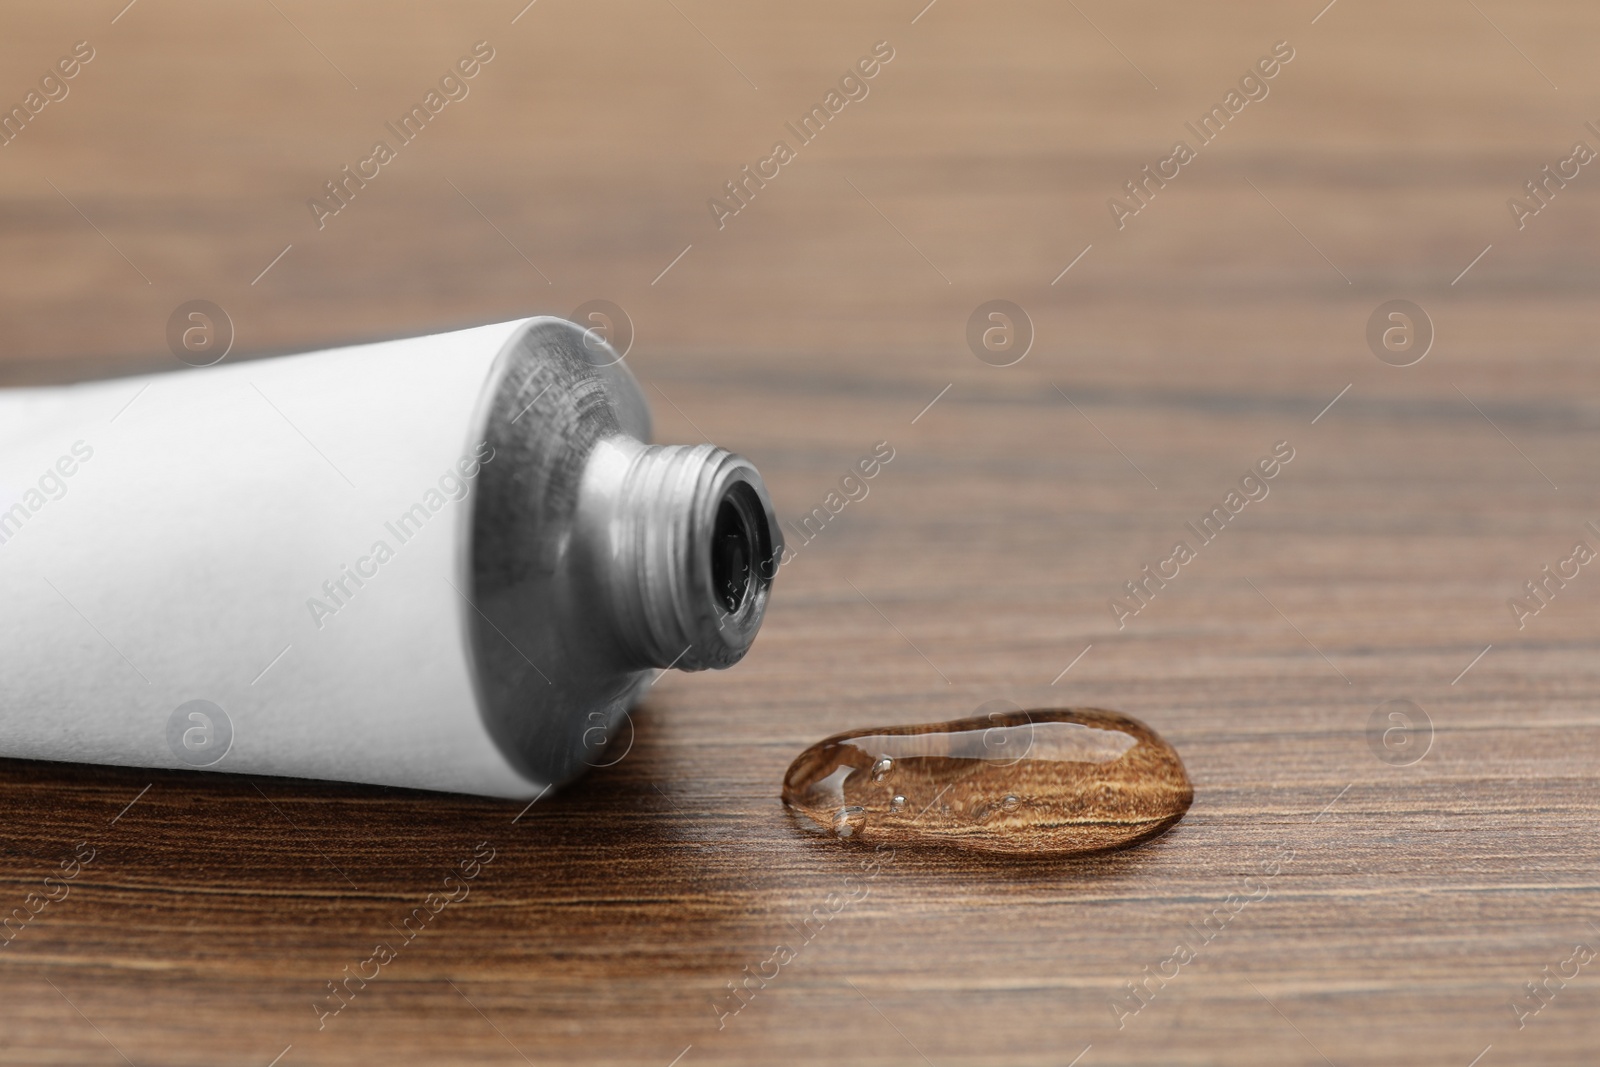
x: 1044, y: 782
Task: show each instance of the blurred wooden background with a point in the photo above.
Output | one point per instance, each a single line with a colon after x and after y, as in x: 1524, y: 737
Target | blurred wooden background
x: 1421, y: 898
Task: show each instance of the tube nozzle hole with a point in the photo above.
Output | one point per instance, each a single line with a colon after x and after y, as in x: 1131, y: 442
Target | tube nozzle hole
x: 733, y: 554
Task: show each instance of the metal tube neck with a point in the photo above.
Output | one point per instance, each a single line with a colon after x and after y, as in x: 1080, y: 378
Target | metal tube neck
x: 684, y: 545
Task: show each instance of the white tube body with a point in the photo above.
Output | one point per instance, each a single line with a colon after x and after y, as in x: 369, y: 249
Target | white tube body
x: 284, y: 539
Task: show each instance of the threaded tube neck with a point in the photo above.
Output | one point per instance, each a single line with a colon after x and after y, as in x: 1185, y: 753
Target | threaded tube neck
x: 685, y: 545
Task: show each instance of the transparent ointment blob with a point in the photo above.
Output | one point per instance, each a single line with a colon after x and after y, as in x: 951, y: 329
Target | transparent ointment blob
x: 1045, y: 782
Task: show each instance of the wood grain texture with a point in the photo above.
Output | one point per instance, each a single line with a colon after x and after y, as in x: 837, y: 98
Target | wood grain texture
x: 1361, y: 909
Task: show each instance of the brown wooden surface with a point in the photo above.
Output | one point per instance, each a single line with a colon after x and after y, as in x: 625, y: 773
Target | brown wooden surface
x: 824, y: 318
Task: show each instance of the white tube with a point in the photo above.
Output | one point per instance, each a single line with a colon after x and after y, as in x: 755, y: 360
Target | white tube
x: 166, y: 540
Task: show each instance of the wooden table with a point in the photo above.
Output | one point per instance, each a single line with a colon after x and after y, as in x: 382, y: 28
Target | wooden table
x: 1412, y: 901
